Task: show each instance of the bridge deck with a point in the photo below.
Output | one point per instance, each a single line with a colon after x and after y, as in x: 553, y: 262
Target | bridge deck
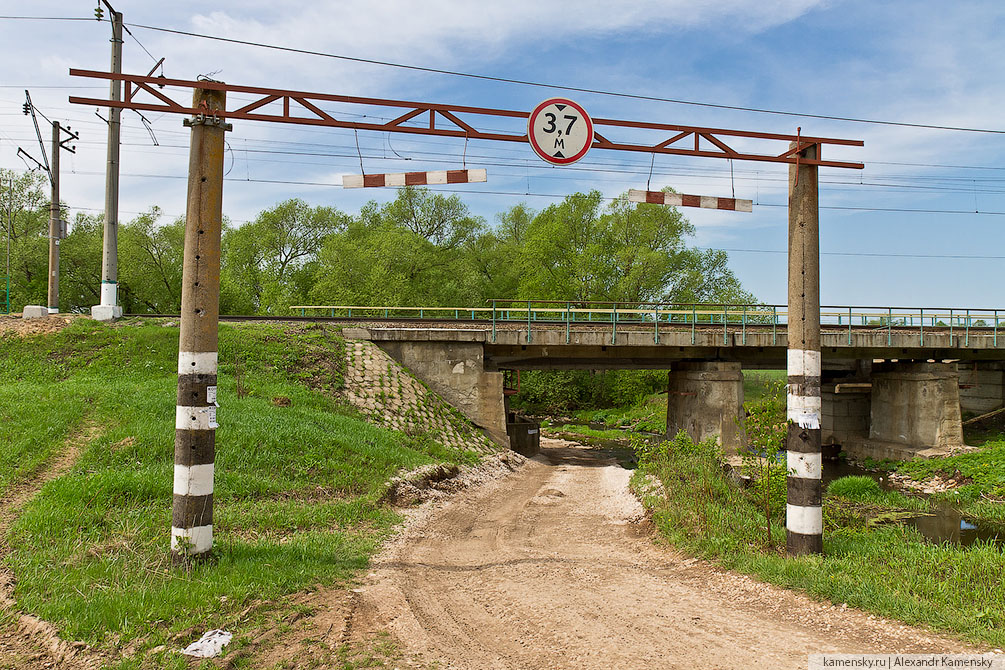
x: 556, y: 345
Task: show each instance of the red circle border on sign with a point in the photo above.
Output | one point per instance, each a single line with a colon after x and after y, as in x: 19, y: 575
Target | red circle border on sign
x: 539, y: 151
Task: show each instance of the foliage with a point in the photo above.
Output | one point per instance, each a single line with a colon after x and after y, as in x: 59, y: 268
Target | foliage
x: 647, y: 415
x: 765, y: 427
x: 420, y: 249
x: 270, y: 263
x: 407, y: 252
x: 28, y: 206
x: 569, y: 390
x: 980, y: 476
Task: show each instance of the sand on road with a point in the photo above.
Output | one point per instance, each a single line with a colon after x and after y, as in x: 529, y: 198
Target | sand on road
x: 555, y: 566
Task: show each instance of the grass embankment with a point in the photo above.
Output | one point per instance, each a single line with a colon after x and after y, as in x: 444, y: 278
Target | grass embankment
x: 298, y: 482
x: 979, y: 475
x: 871, y: 560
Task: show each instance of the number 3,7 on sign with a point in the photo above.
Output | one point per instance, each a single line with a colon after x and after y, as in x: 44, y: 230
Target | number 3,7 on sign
x: 560, y: 131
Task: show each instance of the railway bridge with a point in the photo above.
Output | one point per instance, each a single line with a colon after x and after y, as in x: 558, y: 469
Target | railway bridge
x: 895, y: 381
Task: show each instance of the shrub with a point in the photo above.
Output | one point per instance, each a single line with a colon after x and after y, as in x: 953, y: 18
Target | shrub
x: 854, y: 487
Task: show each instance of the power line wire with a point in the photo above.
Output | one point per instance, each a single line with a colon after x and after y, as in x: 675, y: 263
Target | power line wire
x: 578, y: 89
x: 524, y: 82
x: 856, y: 253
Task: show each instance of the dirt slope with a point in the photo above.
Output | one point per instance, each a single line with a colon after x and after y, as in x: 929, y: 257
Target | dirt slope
x: 553, y: 567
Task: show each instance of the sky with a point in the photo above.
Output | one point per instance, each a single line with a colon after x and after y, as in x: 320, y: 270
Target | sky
x: 920, y: 226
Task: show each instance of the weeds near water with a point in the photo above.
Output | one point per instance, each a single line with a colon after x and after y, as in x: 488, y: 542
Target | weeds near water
x: 870, y: 560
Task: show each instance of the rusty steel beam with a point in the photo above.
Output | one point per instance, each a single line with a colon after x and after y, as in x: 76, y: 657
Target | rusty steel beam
x: 683, y: 140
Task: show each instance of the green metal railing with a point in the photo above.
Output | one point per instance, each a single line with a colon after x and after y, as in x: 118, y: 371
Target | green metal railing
x: 737, y: 319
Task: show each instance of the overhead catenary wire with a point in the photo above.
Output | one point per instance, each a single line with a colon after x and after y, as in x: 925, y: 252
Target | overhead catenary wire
x: 576, y: 89
x: 536, y: 84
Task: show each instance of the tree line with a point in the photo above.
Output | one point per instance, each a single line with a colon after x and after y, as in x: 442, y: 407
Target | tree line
x: 421, y: 249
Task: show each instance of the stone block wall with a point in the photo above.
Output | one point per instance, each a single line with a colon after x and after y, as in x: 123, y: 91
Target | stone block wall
x: 844, y: 416
x: 389, y: 396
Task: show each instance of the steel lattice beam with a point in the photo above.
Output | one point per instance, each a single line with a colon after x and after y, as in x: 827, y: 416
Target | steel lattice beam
x: 299, y: 107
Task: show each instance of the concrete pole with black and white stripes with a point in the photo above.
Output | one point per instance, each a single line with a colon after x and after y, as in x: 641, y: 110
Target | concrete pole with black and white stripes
x: 195, y: 419
x: 803, y: 511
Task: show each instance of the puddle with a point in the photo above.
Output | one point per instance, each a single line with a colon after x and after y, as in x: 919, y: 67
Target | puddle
x: 948, y: 525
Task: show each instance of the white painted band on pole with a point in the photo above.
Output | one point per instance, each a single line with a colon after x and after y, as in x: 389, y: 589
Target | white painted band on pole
x: 804, y: 520
x: 395, y: 179
x: 193, y: 480
x: 196, y: 540
x: 803, y: 410
x: 197, y: 362
x: 803, y: 363
x: 436, y: 177
x: 804, y: 466
x: 195, y: 418
x: 109, y: 293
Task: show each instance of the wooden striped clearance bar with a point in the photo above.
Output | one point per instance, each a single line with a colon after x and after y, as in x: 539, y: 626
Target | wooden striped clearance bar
x: 414, y: 178
x: 681, y: 200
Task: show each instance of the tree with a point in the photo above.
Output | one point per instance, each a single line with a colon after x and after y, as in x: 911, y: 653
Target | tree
x: 269, y: 263
x: 150, y: 264
x: 80, y: 264
x: 29, y: 235
x: 627, y: 252
x: 408, y: 252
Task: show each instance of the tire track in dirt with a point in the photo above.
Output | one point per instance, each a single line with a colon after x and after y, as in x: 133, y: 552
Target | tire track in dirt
x: 555, y: 567
x: 32, y: 642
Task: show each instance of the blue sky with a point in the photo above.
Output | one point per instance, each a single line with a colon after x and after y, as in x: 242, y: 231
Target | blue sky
x: 924, y: 62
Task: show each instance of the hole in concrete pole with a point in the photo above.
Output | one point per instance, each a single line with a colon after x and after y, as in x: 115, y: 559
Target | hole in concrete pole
x: 203, y: 179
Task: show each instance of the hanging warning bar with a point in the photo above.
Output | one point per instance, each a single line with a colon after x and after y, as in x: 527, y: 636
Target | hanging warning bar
x: 414, y: 178
x: 283, y: 106
x: 682, y: 200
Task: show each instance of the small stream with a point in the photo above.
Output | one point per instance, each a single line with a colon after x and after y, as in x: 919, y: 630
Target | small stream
x: 943, y: 525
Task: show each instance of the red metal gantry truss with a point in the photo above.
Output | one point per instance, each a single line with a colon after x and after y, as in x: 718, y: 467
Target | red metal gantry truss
x: 298, y: 107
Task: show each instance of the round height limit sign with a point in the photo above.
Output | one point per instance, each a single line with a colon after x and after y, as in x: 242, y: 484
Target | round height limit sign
x: 560, y: 131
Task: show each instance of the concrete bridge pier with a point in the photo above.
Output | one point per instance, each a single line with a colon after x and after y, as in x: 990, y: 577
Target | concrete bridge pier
x: 914, y: 412
x: 706, y: 400
x: 982, y: 386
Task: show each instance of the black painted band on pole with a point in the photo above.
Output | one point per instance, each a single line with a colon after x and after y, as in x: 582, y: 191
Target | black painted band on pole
x: 803, y: 510
x: 195, y: 417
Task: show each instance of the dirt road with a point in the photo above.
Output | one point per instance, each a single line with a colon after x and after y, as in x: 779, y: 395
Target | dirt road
x: 553, y: 567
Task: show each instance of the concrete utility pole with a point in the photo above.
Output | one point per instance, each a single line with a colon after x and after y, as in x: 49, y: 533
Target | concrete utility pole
x: 803, y: 513
x: 10, y: 232
x: 195, y: 419
x: 55, y: 226
x: 109, y: 308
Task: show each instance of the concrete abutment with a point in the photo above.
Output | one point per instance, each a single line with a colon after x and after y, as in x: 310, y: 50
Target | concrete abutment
x: 456, y: 371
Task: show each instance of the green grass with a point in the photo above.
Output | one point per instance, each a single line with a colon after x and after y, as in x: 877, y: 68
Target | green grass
x: 649, y: 414
x: 756, y: 383
x: 870, y: 561
x: 297, y: 488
